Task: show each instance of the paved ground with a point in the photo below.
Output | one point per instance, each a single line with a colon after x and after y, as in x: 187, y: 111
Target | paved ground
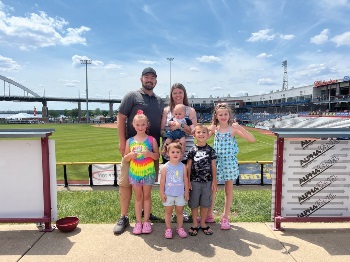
x: 244, y: 242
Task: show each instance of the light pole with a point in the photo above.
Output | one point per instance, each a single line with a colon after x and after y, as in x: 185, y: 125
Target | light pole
x: 170, y: 59
x: 86, y: 62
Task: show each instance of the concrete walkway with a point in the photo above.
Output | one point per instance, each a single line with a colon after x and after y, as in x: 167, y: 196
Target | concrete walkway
x: 244, y: 242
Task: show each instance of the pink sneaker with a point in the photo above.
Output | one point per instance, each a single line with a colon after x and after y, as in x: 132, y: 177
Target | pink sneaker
x: 225, y: 224
x: 137, y: 229
x: 181, y: 232
x: 147, y: 228
x: 209, y: 219
x: 168, y: 233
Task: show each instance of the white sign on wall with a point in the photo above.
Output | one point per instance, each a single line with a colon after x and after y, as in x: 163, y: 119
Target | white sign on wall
x: 316, y: 178
x: 103, y: 174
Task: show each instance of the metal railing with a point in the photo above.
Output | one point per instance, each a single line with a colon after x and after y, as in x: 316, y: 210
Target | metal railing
x: 241, y: 180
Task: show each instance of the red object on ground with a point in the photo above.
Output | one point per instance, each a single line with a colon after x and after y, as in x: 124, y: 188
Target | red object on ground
x: 67, y: 224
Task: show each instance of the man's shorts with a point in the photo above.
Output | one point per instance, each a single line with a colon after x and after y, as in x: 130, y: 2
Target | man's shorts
x: 200, y: 195
x: 123, y: 178
x: 177, y: 201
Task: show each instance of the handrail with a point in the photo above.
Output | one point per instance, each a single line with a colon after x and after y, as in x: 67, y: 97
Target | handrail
x: 87, y: 163
x: 115, y: 163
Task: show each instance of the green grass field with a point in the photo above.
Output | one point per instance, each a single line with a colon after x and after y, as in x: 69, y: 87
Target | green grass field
x: 86, y: 143
x: 101, y: 206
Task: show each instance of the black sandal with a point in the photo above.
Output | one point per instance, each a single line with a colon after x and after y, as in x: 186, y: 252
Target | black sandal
x: 207, y: 230
x: 193, y: 231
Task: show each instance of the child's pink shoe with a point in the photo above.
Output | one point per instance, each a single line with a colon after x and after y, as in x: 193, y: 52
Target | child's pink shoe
x: 181, y: 232
x: 137, y: 229
x: 168, y: 233
x: 225, y: 224
x: 147, y: 228
x: 209, y: 219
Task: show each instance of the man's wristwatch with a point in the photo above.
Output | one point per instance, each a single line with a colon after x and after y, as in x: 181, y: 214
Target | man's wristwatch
x: 182, y: 125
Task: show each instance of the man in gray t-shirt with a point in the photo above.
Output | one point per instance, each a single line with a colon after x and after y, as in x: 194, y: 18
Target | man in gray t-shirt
x: 152, y: 106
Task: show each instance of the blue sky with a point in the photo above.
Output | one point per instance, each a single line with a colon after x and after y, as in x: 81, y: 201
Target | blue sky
x: 219, y: 47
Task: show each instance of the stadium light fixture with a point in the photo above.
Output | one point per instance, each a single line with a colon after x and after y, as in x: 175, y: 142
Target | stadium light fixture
x: 170, y: 59
x: 86, y: 62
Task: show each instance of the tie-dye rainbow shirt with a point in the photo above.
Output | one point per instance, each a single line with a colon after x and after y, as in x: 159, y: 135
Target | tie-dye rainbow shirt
x: 141, y: 169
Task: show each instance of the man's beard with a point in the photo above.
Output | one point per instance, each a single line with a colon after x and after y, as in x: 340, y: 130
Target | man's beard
x: 149, y: 88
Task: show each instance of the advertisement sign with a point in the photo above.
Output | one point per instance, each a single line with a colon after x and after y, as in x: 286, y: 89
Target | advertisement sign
x: 316, y: 178
x: 103, y: 174
x: 250, y: 174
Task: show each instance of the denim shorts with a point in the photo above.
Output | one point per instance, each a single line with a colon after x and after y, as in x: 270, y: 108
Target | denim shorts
x: 149, y: 182
x: 176, y: 134
x: 172, y: 200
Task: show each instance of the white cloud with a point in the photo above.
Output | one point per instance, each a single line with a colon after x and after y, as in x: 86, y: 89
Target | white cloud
x: 216, y: 88
x: 38, y: 30
x: 313, y: 70
x: 265, y: 81
x: 335, y: 3
x: 8, y: 65
x: 265, y: 35
x: 70, y: 85
x: 262, y: 35
x: 343, y: 39
x: 194, y: 69
x: 97, y: 63
x: 74, y: 36
x: 68, y: 81
x: 287, y: 37
x: 321, y: 38
x: 113, y: 66
x: 76, y: 61
x: 263, y: 55
x: 147, y: 62
x: 223, y: 43
x: 208, y: 59
x: 147, y: 9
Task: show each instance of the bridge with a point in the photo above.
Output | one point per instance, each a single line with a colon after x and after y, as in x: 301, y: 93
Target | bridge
x: 31, y: 96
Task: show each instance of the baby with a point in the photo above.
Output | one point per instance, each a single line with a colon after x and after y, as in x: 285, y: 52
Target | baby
x: 178, y: 134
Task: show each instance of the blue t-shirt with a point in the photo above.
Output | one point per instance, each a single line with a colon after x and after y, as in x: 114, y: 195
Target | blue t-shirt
x: 174, y: 180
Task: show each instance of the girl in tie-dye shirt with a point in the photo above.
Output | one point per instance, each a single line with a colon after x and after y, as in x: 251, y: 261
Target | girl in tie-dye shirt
x: 141, y: 150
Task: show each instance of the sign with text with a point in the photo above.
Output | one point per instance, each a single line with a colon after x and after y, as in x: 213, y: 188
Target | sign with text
x: 250, y: 174
x: 316, y: 178
x: 102, y: 174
